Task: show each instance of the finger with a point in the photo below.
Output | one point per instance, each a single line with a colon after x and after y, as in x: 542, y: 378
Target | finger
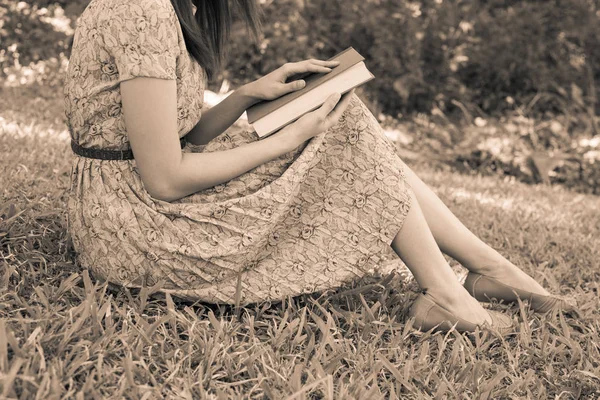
x: 328, y: 106
x: 335, y: 115
x: 294, y: 68
x: 293, y: 86
x: 317, y: 68
x: 304, y: 66
x: 325, y: 63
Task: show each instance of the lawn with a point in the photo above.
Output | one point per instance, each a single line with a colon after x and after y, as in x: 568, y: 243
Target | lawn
x: 65, y: 335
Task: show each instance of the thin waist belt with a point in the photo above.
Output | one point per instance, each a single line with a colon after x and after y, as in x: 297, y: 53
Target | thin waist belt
x: 100, y: 154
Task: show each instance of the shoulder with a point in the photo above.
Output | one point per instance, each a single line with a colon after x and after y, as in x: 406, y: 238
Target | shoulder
x: 126, y: 21
x: 146, y: 4
x: 119, y: 10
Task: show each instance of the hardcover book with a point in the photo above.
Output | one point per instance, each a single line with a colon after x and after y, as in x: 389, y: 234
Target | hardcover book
x: 268, y: 117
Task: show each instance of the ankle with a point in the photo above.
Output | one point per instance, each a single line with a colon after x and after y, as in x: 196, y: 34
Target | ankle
x: 446, y: 296
x: 486, y: 262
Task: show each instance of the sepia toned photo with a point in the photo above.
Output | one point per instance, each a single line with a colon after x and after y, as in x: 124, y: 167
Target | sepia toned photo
x: 299, y: 199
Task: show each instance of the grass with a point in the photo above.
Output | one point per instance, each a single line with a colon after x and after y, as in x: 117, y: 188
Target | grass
x: 64, y: 335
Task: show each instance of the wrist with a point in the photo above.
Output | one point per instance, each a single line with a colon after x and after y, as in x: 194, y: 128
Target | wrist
x: 247, y: 94
x: 286, y: 139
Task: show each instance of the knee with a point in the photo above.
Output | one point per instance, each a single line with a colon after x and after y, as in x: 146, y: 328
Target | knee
x: 355, y: 111
x: 355, y: 101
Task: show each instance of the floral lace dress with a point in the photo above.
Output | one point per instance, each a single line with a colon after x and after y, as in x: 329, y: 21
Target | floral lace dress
x: 313, y: 219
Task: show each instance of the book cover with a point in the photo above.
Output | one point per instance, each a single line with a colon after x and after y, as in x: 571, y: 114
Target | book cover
x: 347, y: 58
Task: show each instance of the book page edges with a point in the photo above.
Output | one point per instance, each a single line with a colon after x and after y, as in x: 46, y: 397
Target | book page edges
x: 348, y: 58
x: 270, y: 123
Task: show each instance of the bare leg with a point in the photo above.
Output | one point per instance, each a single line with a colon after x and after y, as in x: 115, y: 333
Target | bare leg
x: 416, y: 246
x: 455, y: 240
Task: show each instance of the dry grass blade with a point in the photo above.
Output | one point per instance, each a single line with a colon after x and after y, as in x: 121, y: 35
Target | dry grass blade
x: 3, y: 347
x: 65, y: 335
x: 396, y: 373
x: 306, y: 389
x: 9, y: 378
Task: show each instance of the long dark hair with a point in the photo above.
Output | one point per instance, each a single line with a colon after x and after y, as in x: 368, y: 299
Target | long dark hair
x: 207, y: 33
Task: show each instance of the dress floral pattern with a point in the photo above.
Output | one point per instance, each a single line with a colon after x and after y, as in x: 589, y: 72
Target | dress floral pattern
x: 313, y: 219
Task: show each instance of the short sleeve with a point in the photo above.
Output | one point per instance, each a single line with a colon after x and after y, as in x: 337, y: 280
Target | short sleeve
x: 142, y: 37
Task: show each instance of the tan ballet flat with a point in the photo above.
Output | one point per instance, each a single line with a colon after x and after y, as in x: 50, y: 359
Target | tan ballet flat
x: 485, y: 288
x: 428, y: 314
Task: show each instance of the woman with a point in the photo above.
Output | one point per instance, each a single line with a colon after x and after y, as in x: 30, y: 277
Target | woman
x: 232, y: 219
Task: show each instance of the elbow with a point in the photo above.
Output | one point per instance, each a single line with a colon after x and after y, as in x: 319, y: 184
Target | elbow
x: 163, y: 191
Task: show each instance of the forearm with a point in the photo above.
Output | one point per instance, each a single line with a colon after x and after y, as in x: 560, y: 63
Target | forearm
x: 217, y: 119
x: 198, y: 171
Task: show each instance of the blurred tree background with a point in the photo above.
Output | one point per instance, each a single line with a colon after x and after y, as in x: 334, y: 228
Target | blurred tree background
x: 493, y: 86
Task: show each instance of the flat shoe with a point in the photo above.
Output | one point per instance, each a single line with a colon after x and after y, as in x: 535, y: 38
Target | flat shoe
x: 484, y: 288
x: 429, y: 314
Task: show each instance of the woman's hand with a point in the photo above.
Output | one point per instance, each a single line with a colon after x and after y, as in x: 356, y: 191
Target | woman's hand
x: 274, y: 84
x: 315, y: 122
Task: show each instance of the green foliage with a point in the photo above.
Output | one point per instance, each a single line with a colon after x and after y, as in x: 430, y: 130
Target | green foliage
x: 26, y: 36
x: 532, y: 47
x: 322, y: 28
x: 35, y: 38
x: 425, y: 54
x: 435, y: 53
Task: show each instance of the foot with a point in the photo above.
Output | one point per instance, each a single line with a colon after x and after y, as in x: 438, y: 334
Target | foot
x: 506, y: 272
x: 460, y: 303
